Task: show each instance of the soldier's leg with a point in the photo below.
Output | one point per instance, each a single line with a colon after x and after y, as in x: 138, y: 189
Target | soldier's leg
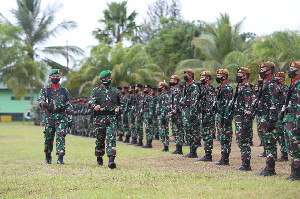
x: 281, y: 140
x: 293, y: 132
x: 206, y: 133
x: 61, y: 131
x: 100, y: 133
x: 49, y: 133
x: 111, y: 136
x: 195, y: 133
x: 259, y: 132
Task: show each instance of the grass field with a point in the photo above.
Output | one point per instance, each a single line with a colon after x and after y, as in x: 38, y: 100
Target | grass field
x: 140, y: 173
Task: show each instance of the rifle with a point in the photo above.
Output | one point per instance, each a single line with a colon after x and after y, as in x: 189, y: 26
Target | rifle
x: 214, y: 106
x: 255, y: 102
x: 288, y: 98
x: 232, y: 102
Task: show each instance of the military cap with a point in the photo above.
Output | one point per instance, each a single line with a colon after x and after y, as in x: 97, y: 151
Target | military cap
x: 223, y: 71
x: 139, y: 85
x: 132, y: 86
x: 147, y: 86
x: 243, y: 70
x: 54, y: 71
x: 163, y: 84
x: 175, y: 77
x: 119, y: 87
x: 188, y: 71
x: 266, y: 64
x: 206, y: 73
x: 126, y: 87
x: 104, y: 73
x: 295, y: 64
x: 280, y: 74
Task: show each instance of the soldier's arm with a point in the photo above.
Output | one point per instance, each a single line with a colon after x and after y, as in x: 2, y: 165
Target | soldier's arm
x: 92, y: 101
x: 42, y: 98
x: 227, y: 96
x: 194, y: 97
x: 208, y: 103
x: 273, y: 89
x: 248, y: 107
x: 69, y: 106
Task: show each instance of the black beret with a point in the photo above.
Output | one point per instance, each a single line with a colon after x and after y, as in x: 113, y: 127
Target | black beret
x: 139, y: 85
x: 154, y: 88
x: 147, y: 86
x: 119, y: 87
x: 126, y: 87
x: 132, y: 86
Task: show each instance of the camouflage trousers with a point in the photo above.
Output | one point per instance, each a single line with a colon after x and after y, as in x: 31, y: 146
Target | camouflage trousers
x: 280, y: 136
x: 79, y: 127
x: 85, y: 129
x: 125, y: 124
x: 225, y: 128
x: 269, y: 137
x: 292, y: 131
x: 131, y: 121
x: 190, y: 129
x: 120, y: 126
x: 217, y: 119
x: 207, y: 131
x: 148, y: 128
x: 105, y: 129
x: 55, y: 123
x: 155, y: 126
x: 259, y: 132
x: 177, y: 130
x: 243, y: 138
x: 139, y: 127
x: 163, y: 129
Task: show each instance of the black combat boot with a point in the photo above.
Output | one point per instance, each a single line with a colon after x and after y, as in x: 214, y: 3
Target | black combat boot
x: 206, y: 158
x: 140, y: 143
x: 111, y: 162
x: 199, y: 142
x: 269, y: 170
x: 148, y: 144
x: 192, y: 154
x: 127, y: 137
x: 100, y: 161
x: 166, y: 149
x: 48, y: 158
x: 296, y: 174
x: 245, y: 166
x: 214, y: 135
x: 224, y: 159
x: 60, y: 159
x: 263, y: 154
x: 284, y: 157
x: 120, y: 139
x: 133, y: 141
x: 157, y: 137
x: 251, y: 143
x: 176, y: 150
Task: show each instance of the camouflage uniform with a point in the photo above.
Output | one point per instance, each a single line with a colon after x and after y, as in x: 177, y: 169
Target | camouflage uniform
x: 155, y: 117
x: 138, y: 118
x: 147, y: 113
x: 124, y: 117
x: 119, y: 121
x: 163, y: 118
x: 131, y: 117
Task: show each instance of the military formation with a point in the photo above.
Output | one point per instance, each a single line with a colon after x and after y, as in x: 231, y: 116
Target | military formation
x: 194, y: 111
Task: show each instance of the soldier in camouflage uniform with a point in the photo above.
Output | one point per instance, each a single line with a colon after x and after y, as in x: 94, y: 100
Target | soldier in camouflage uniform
x: 56, y: 101
x: 217, y: 119
x: 269, y: 103
x: 283, y: 89
x: 147, y: 110
x: 292, y: 120
x: 124, y: 113
x: 175, y: 113
x: 119, y: 118
x: 243, y: 116
x: 207, y: 127
x: 189, y: 112
x: 139, y: 97
x: 105, y: 100
x: 131, y: 118
x: 223, y: 114
x: 163, y: 114
x: 155, y: 118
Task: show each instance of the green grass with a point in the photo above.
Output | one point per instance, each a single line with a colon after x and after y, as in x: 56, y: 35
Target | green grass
x: 140, y: 173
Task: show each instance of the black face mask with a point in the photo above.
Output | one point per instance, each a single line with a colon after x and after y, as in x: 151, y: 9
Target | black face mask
x: 263, y: 74
x: 106, y: 82
x: 186, y: 78
x: 55, y: 80
x: 203, y: 81
x: 130, y: 92
x: 136, y: 91
x: 260, y: 82
x: 146, y: 92
x: 219, y: 79
x: 277, y: 81
x: 172, y: 83
x: 159, y: 89
x: 292, y: 73
x: 239, y: 79
x: 123, y: 93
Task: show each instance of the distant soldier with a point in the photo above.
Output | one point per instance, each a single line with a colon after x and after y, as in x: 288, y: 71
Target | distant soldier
x: 163, y: 114
x: 131, y: 118
x: 223, y: 114
x: 119, y: 118
x: 105, y: 100
x: 283, y: 90
x: 56, y: 101
x: 147, y: 110
x: 175, y: 113
x: 292, y: 120
x: 124, y: 114
x: 269, y: 102
x: 207, y: 127
x: 155, y: 117
x: 139, y: 97
x: 189, y: 112
x: 243, y: 116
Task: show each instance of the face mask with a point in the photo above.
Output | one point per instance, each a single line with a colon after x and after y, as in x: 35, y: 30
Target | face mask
x: 55, y: 80
x: 263, y: 74
x: 130, y: 92
x: 186, y: 78
x: 159, y: 89
x: 277, y: 81
x: 239, y: 79
x: 146, y: 92
x: 106, y: 82
x: 219, y: 79
x: 172, y: 84
x: 292, y: 73
x: 260, y: 82
x: 123, y: 93
x: 203, y: 81
x: 136, y: 91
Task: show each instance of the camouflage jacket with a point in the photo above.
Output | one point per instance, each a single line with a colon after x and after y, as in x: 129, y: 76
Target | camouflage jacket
x: 108, y: 98
x: 58, y: 101
x: 148, y: 106
x: 293, y: 109
x: 175, y: 99
x: 190, y: 97
x: 139, y: 98
x: 207, y: 97
x: 223, y: 98
x: 155, y: 102
x: 243, y: 104
x: 268, y: 103
x: 162, y: 106
x: 125, y: 101
x: 283, y: 90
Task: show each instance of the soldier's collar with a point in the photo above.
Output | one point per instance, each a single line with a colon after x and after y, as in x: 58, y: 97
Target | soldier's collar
x: 294, y: 80
x: 267, y: 78
x: 224, y: 82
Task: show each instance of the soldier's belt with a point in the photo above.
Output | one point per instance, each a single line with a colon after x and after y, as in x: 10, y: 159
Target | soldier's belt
x: 104, y: 113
